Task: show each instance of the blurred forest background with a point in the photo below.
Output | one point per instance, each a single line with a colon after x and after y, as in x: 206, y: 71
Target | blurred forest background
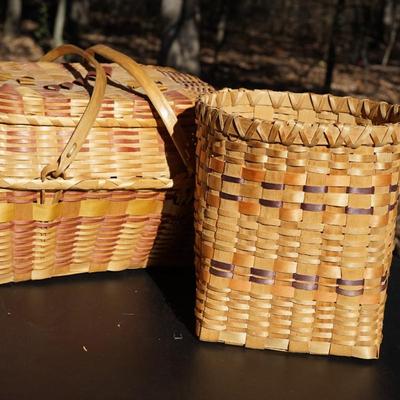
x: 340, y: 46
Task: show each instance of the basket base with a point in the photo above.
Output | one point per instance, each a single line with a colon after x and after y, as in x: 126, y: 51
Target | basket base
x: 284, y: 345
x: 66, y: 233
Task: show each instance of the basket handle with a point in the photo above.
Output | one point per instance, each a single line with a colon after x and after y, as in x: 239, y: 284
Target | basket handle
x: 78, y: 137
x: 158, y: 100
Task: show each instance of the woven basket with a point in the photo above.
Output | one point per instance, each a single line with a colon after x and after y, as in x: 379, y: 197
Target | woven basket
x: 92, y: 172
x: 295, y: 217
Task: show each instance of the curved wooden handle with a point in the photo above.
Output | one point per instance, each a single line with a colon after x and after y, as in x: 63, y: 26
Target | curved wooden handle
x: 88, y: 118
x: 158, y: 100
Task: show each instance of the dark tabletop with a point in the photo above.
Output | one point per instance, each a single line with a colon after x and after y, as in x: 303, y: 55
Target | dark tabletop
x: 129, y: 335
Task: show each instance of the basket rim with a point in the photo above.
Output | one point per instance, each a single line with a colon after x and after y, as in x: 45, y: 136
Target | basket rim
x: 209, y: 111
x: 110, y: 184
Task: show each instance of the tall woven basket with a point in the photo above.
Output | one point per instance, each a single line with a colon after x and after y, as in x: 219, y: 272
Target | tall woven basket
x: 95, y: 165
x: 296, y: 202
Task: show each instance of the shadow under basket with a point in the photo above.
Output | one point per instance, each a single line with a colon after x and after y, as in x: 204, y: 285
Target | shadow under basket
x: 295, y: 212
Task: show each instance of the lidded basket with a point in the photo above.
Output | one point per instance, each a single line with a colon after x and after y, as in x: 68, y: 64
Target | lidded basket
x: 95, y: 164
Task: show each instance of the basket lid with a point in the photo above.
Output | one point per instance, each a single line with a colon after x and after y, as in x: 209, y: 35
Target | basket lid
x: 55, y: 94
x: 42, y: 102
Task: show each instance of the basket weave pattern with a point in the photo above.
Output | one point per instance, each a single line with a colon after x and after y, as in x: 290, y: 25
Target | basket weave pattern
x: 80, y: 232
x: 125, y: 199
x: 126, y: 142
x: 296, y: 203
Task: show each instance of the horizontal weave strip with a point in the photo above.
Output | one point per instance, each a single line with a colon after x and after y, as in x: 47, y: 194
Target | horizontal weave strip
x: 298, y: 281
x: 85, y: 184
x: 84, y: 208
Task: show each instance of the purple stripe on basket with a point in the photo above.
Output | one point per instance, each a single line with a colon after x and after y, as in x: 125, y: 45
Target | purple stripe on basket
x: 348, y: 282
x: 349, y: 293
x: 313, y: 207
x: 262, y: 281
x: 360, y: 211
x: 271, y: 203
x: 263, y: 272
x: 367, y: 190
x: 306, y: 278
x: 273, y: 186
x: 315, y: 189
x: 222, y: 274
x: 392, y: 206
x: 393, y: 188
x: 305, y: 286
x: 222, y: 265
x: 228, y: 196
x: 384, y: 286
x: 227, y: 178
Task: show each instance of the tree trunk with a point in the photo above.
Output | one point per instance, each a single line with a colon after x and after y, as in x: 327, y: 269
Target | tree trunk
x: 180, y: 39
x: 392, y: 20
x: 78, y: 19
x: 389, y: 47
x: 331, y: 59
x: 358, y: 32
x: 13, y: 17
x: 59, y: 23
x: 220, y: 34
